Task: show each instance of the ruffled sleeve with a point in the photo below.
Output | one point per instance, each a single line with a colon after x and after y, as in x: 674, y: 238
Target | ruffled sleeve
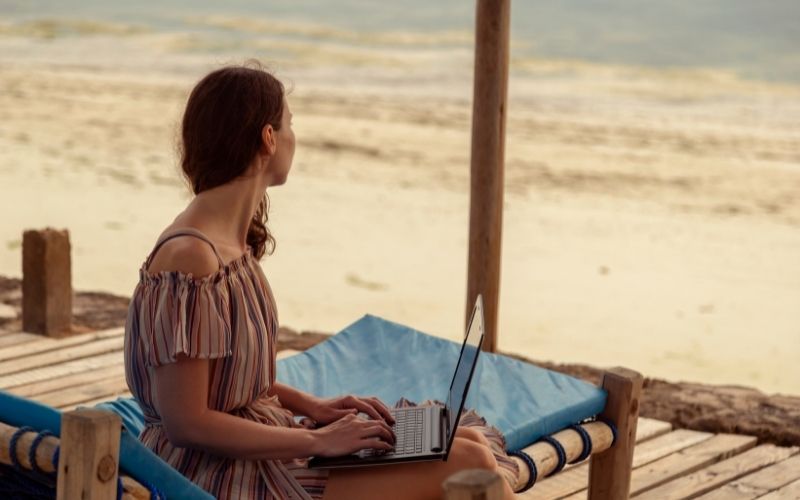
x: 183, y: 314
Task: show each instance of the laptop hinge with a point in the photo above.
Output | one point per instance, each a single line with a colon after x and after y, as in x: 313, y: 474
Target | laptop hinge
x: 441, y: 436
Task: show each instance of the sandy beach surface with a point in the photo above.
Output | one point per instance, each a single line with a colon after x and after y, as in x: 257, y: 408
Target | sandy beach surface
x: 652, y: 216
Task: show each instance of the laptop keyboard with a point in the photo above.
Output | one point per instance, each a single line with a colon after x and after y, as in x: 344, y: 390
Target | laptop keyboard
x: 408, y: 428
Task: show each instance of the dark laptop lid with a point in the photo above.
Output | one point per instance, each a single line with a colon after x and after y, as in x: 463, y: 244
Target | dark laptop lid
x: 464, y: 370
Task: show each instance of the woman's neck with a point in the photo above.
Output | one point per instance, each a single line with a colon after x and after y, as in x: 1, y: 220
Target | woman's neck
x: 226, y: 211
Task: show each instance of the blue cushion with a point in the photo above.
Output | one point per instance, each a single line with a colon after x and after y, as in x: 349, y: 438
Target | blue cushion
x: 371, y: 357
x: 135, y: 458
x: 375, y: 357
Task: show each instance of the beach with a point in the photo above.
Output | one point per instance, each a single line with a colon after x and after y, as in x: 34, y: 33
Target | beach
x: 651, y: 215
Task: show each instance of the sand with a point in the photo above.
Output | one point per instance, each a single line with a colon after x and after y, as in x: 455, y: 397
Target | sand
x: 704, y: 407
x: 651, y: 216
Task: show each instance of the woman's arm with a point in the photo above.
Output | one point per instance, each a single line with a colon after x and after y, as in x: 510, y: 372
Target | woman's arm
x: 181, y: 397
x: 182, y: 403
x: 299, y: 402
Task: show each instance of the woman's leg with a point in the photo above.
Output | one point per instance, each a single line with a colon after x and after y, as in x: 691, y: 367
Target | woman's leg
x: 507, y: 467
x: 420, y: 480
x: 472, y: 435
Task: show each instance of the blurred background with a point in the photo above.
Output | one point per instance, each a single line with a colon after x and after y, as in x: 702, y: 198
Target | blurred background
x: 652, y: 165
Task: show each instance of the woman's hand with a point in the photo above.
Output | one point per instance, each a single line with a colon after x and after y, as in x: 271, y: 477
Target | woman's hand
x: 332, y: 409
x: 350, y: 434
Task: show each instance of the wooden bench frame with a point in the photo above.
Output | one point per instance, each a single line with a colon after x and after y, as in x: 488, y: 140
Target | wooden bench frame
x: 89, y: 457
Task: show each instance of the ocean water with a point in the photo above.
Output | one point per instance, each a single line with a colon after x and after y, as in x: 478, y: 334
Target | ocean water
x: 756, y: 40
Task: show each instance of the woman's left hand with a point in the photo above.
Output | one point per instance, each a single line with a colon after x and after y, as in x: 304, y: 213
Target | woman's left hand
x: 332, y: 409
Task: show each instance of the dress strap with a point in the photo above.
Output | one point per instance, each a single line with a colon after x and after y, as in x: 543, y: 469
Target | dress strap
x: 189, y: 231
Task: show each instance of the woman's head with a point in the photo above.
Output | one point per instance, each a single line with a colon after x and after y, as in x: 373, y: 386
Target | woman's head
x: 237, y: 119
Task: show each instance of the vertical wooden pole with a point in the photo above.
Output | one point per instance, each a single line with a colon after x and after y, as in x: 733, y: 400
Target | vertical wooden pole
x: 473, y: 484
x: 610, y: 471
x: 487, y: 157
x: 88, y: 462
x: 46, y: 282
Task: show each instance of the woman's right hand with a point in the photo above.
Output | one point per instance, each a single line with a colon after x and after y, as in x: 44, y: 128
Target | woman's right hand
x: 352, y: 433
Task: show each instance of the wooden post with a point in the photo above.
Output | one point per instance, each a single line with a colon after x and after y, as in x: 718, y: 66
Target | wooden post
x: 88, y: 462
x: 487, y: 157
x: 610, y: 471
x: 473, y: 484
x: 46, y: 282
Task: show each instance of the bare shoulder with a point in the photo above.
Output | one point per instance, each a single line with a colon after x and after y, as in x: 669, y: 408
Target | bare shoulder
x: 186, y: 254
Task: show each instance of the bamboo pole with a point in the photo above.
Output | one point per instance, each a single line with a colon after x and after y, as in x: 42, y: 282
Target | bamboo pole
x: 44, y: 452
x: 544, y: 455
x: 487, y: 157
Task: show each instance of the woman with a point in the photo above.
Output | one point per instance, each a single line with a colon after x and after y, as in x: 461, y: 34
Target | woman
x: 201, y: 332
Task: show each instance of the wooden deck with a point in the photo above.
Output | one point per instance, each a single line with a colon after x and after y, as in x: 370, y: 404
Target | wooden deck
x: 668, y: 463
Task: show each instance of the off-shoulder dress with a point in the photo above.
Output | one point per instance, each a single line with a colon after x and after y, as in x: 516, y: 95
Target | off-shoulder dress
x: 229, y: 317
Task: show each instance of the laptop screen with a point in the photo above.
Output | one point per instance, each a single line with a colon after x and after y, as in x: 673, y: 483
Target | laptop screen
x: 464, y: 368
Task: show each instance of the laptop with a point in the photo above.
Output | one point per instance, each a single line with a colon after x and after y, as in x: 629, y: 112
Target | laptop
x: 424, y: 433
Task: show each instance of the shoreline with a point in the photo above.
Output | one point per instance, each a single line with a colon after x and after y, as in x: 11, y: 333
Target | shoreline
x: 734, y: 409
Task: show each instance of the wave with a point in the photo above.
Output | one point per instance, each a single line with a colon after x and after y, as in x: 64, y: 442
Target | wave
x: 49, y: 28
x: 323, y: 32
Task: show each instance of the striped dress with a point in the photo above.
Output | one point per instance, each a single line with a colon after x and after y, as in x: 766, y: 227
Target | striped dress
x: 230, y: 318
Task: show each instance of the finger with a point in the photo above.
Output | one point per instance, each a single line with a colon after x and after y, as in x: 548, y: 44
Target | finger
x: 382, y: 409
x: 346, y: 412
x: 377, y: 444
x: 380, y: 429
x: 367, y: 408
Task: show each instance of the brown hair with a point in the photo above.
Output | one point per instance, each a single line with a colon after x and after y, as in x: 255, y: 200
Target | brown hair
x: 221, y: 134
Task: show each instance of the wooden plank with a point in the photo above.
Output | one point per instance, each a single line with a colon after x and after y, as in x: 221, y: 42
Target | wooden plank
x: 62, y: 355
x: 789, y: 492
x: 649, y: 428
x: 610, y: 470
x: 576, y: 479
x: 68, y: 381
x: 76, y: 395
x: 18, y: 338
x: 761, y: 482
x: 667, y: 444
x: 48, y: 344
x: 79, y: 365
x: 110, y: 397
x: 686, y: 461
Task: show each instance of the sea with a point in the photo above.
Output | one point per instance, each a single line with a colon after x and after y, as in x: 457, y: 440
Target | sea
x: 756, y: 40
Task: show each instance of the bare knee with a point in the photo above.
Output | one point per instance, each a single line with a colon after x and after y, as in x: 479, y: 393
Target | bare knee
x: 471, y: 455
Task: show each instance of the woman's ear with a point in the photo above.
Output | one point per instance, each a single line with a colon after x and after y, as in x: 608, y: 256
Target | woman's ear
x: 269, y: 139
